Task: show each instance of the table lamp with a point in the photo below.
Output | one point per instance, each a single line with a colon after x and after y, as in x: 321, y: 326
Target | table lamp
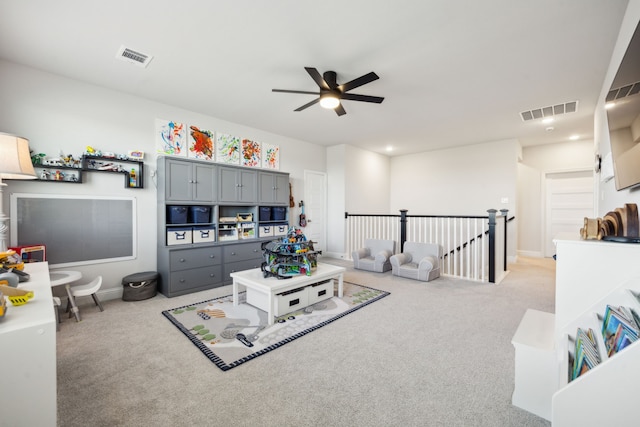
x: 15, y: 163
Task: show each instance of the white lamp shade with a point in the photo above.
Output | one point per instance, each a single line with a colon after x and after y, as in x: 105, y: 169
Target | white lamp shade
x: 329, y: 101
x: 15, y: 158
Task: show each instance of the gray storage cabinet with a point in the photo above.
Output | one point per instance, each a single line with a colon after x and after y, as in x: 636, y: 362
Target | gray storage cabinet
x: 213, y: 197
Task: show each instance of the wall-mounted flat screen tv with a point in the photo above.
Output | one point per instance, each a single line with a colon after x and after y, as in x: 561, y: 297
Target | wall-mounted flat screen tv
x: 623, y: 113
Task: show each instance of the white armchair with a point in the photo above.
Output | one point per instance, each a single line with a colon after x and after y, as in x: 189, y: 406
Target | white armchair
x: 418, y: 261
x: 374, y: 256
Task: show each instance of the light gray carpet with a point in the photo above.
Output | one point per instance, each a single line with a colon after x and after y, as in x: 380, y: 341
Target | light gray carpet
x: 429, y: 354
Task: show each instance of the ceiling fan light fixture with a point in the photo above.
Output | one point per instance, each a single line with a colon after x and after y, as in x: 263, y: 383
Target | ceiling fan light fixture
x: 329, y: 101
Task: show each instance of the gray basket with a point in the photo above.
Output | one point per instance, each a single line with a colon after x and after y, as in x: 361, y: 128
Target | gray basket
x: 140, y: 286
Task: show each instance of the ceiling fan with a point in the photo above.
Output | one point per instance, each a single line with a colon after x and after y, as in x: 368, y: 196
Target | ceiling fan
x: 331, y: 92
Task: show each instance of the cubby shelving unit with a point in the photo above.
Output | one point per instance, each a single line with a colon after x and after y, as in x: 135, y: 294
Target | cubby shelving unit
x: 232, y: 195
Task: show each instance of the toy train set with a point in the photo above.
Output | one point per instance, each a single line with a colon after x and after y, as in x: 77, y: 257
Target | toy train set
x: 290, y: 256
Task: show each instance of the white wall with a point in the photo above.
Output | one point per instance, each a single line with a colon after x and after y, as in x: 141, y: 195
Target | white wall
x: 609, y: 198
x: 457, y: 181
x: 358, y: 183
x: 57, y: 113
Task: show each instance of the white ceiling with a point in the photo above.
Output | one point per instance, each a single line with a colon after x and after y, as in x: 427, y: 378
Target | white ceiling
x: 452, y: 72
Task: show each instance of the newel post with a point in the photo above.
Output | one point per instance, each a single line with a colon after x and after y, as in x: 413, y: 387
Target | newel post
x: 504, y: 213
x: 403, y: 228
x: 492, y: 245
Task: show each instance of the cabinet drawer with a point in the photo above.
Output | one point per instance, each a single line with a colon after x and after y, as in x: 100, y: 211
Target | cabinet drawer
x: 233, y: 267
x: 195, y: 278
x: 242, y: 252
x: 291, y: 301
x: 194, y: 258
x: 320, y: 291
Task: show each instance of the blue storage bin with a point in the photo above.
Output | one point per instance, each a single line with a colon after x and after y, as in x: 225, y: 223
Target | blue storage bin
x: 176, y: 214
x: 278, y: 213
x: 200, y: 214
x: 265, y: 213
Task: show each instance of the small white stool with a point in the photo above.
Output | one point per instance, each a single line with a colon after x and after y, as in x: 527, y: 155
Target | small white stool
x: 90, y: 288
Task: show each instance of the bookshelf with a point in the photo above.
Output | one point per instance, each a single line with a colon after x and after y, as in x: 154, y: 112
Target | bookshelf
x: 589, y: 275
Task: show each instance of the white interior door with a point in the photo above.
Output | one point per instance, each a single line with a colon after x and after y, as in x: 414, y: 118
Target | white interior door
x: 315, y: 205
x: 569, y: 199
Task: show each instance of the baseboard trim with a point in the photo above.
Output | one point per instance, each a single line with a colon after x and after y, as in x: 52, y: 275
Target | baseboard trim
x: 531, y: 254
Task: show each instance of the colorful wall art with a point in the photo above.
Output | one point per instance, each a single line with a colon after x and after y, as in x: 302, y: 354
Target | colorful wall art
x: 171, y: 138
x: 201, y: 143
x: 270, y: 156
x: 250, y: 153
x: 228, y: 149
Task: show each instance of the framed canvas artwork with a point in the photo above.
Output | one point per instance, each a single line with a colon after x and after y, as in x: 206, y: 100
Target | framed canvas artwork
x: 228, y: 149
x: 270, y: 156
x: 201, y: 143
x: 250, y: 153
x: 171, y: 138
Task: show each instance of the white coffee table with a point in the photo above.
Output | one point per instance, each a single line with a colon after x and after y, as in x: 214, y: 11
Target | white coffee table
x: 270, y: 286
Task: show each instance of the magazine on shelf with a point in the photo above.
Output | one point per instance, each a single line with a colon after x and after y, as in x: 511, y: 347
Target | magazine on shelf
x: 619, y: 329
x: 586, y: 353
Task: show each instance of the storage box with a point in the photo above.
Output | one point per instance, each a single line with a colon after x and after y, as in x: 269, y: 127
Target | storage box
x: 200, y: 214
x: 244, y: 217
x: 265, y: 213
x: 204, y: 234
x: 177, y: 214
x: 227, y: 232
x: 247, y: 230
x: 278, y: 213
x: 35, y: 253
x: 291, y: 301
x: 280, y: 229
x: 265, y: 231
x: 179, y: 235
x: 320, y: 291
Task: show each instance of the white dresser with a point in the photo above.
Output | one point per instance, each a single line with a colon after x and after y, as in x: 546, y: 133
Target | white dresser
x: 28, y: 356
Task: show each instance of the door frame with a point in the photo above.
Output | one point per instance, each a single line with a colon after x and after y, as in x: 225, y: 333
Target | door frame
x: 306, y: 172
x: 544, y: 195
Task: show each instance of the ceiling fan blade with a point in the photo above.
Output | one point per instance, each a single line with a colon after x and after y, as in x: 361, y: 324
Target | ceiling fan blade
x: 362, y: 80
x: 295, y: 91
x: 307, y: 105
x: 315, y: 75
x: 340, y: 110
x: 363, y: 98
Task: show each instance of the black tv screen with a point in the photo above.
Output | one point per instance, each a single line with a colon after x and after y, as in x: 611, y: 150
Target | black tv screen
x: 623, y: 114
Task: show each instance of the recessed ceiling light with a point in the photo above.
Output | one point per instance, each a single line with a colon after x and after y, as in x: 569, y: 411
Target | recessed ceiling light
x: 574, y: 137
x: 389, y: 148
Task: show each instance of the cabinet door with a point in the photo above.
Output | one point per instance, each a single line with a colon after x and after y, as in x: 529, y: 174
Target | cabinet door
x: 266, y: 188
x: 205, y: 183
x: 282, y: 189
x: 227, y: 185
x: 248, y: 186
x: 178, y: 181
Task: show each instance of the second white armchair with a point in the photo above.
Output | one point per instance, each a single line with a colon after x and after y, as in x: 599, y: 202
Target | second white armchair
x: 418, y: 261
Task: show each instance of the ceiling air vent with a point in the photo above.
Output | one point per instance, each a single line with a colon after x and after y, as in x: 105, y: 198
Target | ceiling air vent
x: 552, y: 110
x: 135, y: 57
x: 623, y: 92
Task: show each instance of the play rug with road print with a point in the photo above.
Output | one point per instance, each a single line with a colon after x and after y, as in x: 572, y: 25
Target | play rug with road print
x: 230, y: 336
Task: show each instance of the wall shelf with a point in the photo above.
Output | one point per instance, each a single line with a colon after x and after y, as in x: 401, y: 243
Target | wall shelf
x: 133, y: 170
